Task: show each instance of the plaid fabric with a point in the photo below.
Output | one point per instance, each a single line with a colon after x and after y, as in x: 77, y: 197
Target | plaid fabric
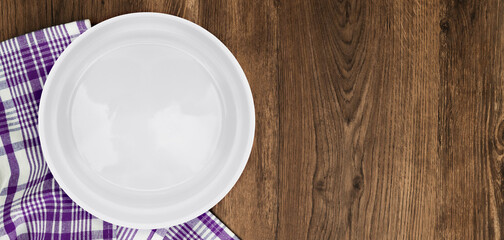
x: 32, y: 206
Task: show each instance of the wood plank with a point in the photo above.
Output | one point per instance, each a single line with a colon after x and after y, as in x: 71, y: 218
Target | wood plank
x: 470, y: 116
x: 249, y: 30
x: 368, y: 147
x: 18, y: 17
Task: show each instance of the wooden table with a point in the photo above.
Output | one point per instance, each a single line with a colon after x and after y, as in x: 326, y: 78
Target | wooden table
x: 375, y: 119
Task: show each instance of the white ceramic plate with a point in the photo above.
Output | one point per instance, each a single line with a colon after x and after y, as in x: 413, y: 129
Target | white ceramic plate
x: 146, y: 120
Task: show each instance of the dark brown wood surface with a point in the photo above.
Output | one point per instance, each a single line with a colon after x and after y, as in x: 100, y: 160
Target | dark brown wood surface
x: 375, y: 119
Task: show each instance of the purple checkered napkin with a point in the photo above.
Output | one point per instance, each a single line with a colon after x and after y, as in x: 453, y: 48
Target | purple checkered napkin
x: 32, y: 205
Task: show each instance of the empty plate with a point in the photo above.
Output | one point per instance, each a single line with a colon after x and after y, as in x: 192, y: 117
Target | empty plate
x: 146, y: 120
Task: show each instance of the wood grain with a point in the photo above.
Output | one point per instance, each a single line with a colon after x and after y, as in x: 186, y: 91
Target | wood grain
x: 375, y: 119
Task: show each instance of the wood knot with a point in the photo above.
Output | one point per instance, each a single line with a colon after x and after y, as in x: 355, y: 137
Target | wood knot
x: 444, y: 24
x: 357, y: 182
x: 276, y: 3
x: 473, y: 16
x: 499, y: 134
x: 320, y: 186
x: 348, y: 8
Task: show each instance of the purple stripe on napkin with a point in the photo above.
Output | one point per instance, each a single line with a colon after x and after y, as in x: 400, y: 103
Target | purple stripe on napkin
x: 32, y: 206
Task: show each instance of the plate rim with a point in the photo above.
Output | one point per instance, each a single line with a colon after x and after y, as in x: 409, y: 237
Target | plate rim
x: 193, y: 214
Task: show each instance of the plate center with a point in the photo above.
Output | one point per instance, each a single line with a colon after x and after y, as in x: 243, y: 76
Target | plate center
x: 146, y: 117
